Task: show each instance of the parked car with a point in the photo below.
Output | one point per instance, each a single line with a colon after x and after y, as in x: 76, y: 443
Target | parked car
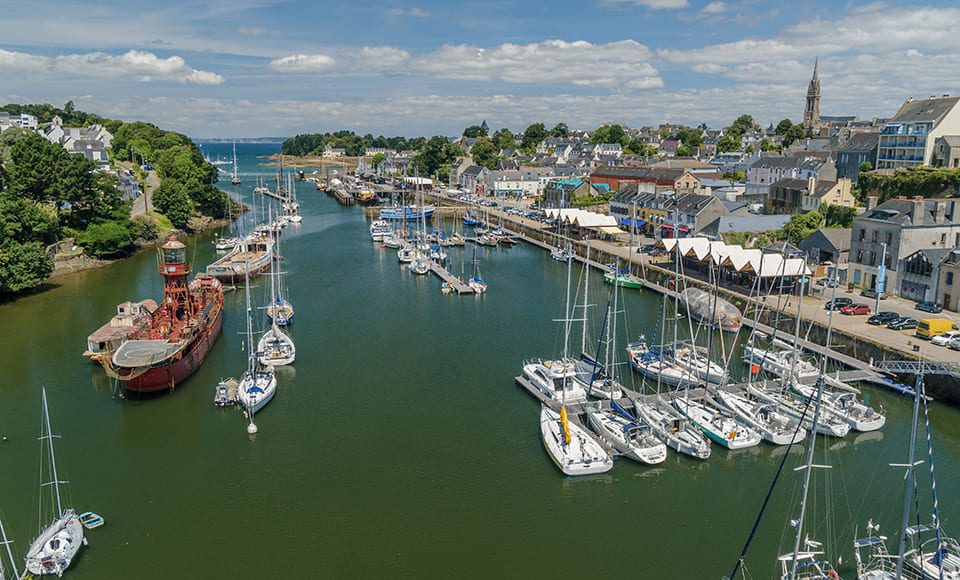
x: 903, y: 323
x: 855, y: 309
x: 826, y: 282
x: 872, y: 293
x: 945, y: 338
x: 929, y: 307
x: 881, y: 318
x: 837, y: 303
x: 927, y: 328
x: 954, y: 343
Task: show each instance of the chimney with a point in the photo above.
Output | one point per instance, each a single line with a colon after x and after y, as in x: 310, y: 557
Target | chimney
x: 941, y: 211
x: 872, y: 201
x: 917, y: 214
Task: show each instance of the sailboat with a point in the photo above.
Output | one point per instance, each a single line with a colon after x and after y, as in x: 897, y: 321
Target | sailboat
x: 625, y: 278
x: 235, y: 180
x: 58, y: 543
x: 13, y: 564
x: 572, y: 449
x: 275, y: 347
x: 257, y: 386
x: 722, y: 427
x: 776, y: 426
x: 476, y: 282
x: 280, y: 310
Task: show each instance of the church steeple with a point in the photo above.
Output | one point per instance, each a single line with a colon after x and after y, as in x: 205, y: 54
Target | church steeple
x: 811, y: 114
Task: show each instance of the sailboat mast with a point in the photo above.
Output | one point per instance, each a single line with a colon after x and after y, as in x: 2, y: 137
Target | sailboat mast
x: 13, y: 563
x: 586, y: 290
x: 813, y: 430
x: 910, y: 468
x: 246, y: 266
x: 53, y: 462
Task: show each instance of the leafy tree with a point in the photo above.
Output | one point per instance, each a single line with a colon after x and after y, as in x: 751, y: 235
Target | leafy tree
x: 689, y: 137
x: 638, y: 147
x: 485, y: 153
x: 783, y: 126
x: 435, y: 156
x: 106, y: 239
x: 503, y: 139
x: 378, y: 158
x: 664, y: 134
x: 743, y: 124
x: 749, y: 149
x: 728, y: 143
x: 836, y: 216
x: 23, y: 265
x: 794, y: 133
x: 610, y: 134
x: 474, y: 131
x: 531, y: 136
x: 866, y: 167
x: 734, y: 175
x: 559, y: 130
x: 765, y: 145
x: 171, y: 199
x: 684, y: 151
x: 799, y: 227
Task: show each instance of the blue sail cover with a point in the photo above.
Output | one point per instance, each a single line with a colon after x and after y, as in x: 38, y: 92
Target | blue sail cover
x: 621, y: 411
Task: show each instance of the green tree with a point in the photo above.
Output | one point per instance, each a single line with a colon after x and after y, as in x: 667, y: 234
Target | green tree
x: 765, y: 145
x: 485, y: 153
x: 794, y: 133
x: 378, y: 158
x: 866, y: 167
x: 799, y: 227
x: 684, y: 151
x: 533, y: 134
x: 638, y: 147
x: 610, y: 134
x: 172, y: 201
x: 743, y: 124
x: 23, y: 265
x: 689, y: 137
x: 474, y: 131
x: 503, y: 139
x: 728, y: 143
x: 836, y: 216
x: 559, y: 130
x: 783, y: 126
x: 106, y: 239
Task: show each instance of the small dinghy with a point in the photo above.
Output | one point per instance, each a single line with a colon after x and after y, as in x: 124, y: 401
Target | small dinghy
x: 91, y: 520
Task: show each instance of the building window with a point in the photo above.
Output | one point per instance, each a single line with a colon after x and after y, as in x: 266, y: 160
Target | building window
x: 863, y: 234
x: 956, y: 241
x: 860, y: 256
x: 856, y: 276
x: 949, y: 278
x: 889, y: 238
x: 875, y: 236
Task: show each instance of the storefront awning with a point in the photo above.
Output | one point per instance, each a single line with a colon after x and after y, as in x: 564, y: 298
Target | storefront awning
x: 636, y: 223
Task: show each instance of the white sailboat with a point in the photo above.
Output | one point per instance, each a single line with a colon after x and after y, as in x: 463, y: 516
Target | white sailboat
x: 846, y: 407
x: 476, y: 282
x: 257, y: 386
x: 775, y: 426
x: 235, y: 178
x: 672, y: 428
x: 629, y: 437
x: 572, y: 449
x: 275, y: 347
x: 13, y: 564
x: 280, y: 310
x: 56, y: 545
x: 722, y: 427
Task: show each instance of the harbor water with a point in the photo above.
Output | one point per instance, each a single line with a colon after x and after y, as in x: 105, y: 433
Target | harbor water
x: 398, y: 444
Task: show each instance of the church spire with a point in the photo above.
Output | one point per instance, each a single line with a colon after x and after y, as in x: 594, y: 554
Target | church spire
x: 811, y: 113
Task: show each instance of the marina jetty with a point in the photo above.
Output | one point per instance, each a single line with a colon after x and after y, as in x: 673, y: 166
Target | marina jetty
x: 853, y: 343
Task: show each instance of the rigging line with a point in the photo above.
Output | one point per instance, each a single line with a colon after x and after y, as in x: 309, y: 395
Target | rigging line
x: 933, y: 481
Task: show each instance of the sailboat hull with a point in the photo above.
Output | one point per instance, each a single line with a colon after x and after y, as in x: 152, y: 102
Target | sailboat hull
x: 55, y: 547
x: 581, y: 455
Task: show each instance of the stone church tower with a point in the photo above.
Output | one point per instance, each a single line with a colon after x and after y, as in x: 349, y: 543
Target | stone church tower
x: 811, y: 114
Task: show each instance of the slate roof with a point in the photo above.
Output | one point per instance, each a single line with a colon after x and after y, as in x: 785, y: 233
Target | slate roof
x: 919, y: 110
x: 862, y: 142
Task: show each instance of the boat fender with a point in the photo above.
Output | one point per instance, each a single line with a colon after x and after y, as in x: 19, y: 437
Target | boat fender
x: 733, y: 435
x: 833, y: 575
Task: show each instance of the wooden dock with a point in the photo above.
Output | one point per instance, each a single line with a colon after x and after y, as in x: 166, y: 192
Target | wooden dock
x: 343, y: 197
x: 446, y: 276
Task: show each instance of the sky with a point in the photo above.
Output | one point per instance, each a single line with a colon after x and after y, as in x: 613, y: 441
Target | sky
x: 258, y: 68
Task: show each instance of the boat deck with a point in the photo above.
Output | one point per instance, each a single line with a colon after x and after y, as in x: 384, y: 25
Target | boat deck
x: 239, y: 258
x: 446, y: 276
x: 138, y: 353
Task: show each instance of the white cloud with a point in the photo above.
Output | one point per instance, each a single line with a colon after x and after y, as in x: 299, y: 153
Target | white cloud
x: 379, y: 57
x: 303, y: 63
x: 251, y: 30
x: 656, y: 4
x: 415, y: 12
x: 553, y: 61
x: 714, y: 7
x: 709, y: 68
x: 137, y: 65
x: 19, y: 61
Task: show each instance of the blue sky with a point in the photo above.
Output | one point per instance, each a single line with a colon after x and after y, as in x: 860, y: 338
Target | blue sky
x: 246, y: 68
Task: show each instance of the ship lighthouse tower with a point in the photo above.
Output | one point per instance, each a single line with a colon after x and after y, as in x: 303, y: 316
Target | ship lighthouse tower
x: 177, y: 305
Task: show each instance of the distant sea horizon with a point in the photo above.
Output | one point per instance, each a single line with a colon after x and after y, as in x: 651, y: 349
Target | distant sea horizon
x: 240, y: 139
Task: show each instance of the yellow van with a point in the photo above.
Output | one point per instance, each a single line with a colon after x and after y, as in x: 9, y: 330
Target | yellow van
x: 927, y: 328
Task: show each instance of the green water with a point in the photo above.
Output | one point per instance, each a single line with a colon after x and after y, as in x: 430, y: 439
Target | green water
x: 398, y: 444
